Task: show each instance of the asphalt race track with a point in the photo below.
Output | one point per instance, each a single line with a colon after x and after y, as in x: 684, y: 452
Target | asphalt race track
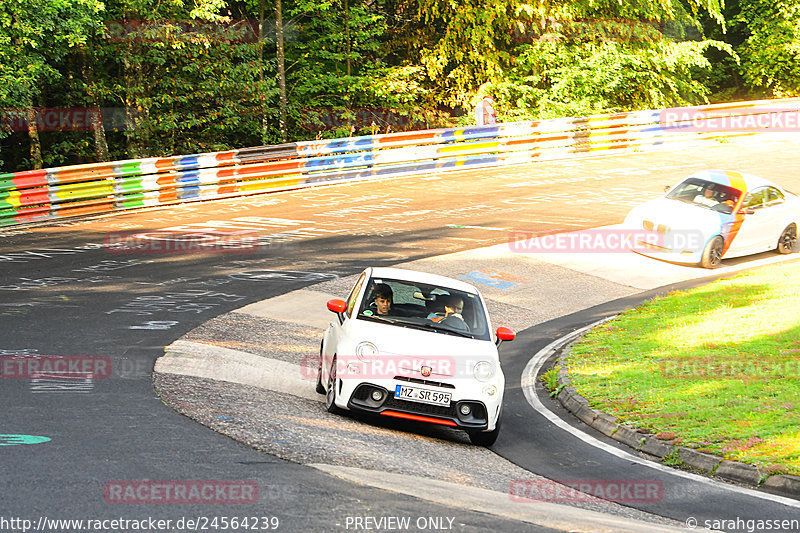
x: 63, y: 294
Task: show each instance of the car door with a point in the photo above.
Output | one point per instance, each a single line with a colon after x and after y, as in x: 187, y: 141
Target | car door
x: 761, y: 210
x: 336, y: 328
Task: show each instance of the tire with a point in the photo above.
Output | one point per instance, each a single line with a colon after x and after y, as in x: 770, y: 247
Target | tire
x: 712, y: 254
x: 320, y: 388
x: 486, y: 438
x: 788, y: 240
x: 330, y: 395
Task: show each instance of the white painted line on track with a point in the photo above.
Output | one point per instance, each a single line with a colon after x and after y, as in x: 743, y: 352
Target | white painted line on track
x: 187, y: 358
x: 528, y: 382
x: 545, y: 514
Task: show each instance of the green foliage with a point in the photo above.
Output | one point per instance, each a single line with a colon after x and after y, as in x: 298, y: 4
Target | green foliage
x: 771, y: 52
x: 550, y: 381
x: 192, y: 75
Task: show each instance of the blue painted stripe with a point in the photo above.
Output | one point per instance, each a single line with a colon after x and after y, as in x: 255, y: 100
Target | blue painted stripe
x: 484, y: 279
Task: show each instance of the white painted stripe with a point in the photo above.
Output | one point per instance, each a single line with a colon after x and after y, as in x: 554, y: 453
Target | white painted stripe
x: 528, y: 382
x: 199, y: 360
x: 495, y: 503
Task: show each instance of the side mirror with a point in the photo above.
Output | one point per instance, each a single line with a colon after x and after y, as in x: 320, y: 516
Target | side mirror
x: 337, y: 306
x: 505, y: 334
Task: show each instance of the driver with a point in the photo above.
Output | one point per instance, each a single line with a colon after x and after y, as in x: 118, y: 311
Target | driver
x: 707, y: 198
x: 382, y: 298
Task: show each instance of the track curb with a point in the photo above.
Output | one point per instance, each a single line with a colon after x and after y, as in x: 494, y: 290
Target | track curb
x: 669, y: 454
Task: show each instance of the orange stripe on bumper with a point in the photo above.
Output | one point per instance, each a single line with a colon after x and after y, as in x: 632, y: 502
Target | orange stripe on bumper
x: 419, y: 418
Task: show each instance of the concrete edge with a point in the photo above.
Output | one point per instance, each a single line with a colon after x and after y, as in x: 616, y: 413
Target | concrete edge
x: 187, y: 358
x: 780, y: 484
x: 503, y: 505
x: 197, y: 359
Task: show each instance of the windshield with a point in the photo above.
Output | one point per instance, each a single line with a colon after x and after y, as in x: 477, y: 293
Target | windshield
x: 706, y: 194
x: 429, y: 307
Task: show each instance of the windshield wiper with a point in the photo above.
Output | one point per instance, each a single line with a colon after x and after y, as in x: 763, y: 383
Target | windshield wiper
x: 377, y: 318
x: 434, y: 327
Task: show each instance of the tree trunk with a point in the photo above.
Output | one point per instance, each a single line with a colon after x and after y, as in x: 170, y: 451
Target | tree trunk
x: 264, y: 123
x: 281, y: 69
x: 97, y: 127
x: 33, y: 133
x: 348, y: 45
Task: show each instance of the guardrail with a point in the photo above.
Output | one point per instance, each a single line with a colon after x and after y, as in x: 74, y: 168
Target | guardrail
x: 105, y: 187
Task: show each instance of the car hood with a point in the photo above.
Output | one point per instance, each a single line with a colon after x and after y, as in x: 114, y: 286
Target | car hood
x: 669, y: 214
x: 447, y: 355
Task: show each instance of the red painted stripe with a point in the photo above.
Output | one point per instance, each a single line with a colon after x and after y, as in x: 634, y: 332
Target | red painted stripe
x: 407, y: 137
x: 419, y: 418
x: 29, y: 178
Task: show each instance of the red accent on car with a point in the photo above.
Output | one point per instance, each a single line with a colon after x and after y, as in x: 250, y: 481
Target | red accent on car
x: 337, y: 306
x: 419, y: 418
x: 506, y: 334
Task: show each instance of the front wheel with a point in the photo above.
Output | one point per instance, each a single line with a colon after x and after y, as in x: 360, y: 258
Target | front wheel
x: 788, y: 239
x: 320, y: 388
x: 486, y: 438
x: 330, y: 396
x: 712, y: 255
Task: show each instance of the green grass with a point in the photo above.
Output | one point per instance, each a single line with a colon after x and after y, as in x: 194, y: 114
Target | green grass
x: 716, y: 368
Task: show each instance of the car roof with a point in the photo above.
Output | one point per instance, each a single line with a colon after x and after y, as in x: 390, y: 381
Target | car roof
x: 422, y: 277
x: 737, y: 180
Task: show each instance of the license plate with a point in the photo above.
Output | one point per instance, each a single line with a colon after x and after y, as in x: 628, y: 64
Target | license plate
x: 415, y: 394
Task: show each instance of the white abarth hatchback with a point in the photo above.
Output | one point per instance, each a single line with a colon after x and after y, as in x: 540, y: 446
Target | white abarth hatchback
x: 415, y: 346
x: 716, y: 214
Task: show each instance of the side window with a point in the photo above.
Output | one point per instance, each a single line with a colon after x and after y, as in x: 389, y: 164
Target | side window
x: 351, y: 300
x: 755, y: 199
x: 774, y: 196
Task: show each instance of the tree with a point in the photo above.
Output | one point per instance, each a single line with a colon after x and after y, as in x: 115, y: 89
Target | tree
x: 771, y: 52
x: 36, y: 36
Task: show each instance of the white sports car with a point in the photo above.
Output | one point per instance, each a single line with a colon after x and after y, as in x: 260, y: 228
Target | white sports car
x: 716, y: 214
x: 414, y: 346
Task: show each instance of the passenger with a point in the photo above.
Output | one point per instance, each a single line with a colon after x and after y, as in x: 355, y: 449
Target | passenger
x: 453, y: 306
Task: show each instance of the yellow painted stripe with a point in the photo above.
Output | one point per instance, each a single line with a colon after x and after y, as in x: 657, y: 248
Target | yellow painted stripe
x: 269, y: 184
x: 13, y: 198
x: 470, y: 148
x: 82, y: 190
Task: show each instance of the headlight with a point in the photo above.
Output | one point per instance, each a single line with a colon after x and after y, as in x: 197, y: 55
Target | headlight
x: 489, y: 390
x: 483, y: 371
x: 366, y: 349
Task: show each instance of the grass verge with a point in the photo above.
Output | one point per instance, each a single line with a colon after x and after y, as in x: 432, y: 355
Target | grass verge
x: 715, y: 368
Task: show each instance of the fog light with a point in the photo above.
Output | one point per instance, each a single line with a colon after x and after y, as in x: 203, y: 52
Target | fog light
x: 377, y: 395
x: 465, y: 409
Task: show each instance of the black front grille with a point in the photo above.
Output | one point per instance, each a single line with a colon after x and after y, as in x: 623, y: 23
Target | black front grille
x: 421, y: 408
x: 426, y: 382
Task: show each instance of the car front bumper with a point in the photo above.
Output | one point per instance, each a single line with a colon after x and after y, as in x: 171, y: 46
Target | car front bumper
x: 484, y: 408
